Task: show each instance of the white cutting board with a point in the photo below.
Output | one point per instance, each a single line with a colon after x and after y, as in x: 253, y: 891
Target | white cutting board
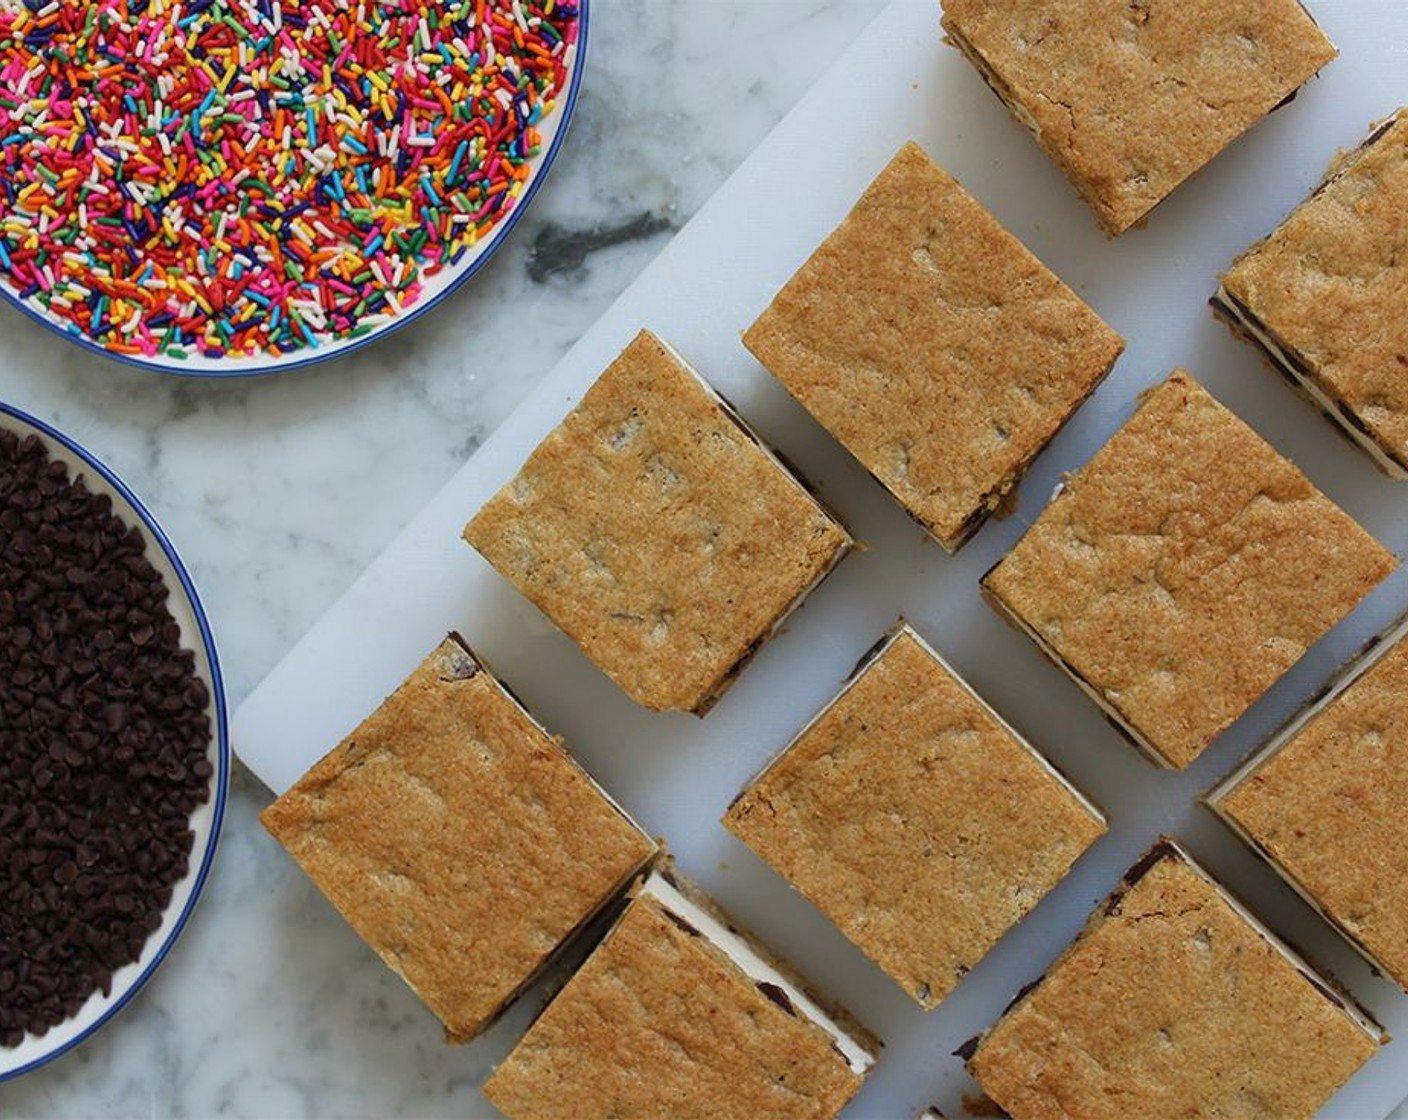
x: 677, y: 773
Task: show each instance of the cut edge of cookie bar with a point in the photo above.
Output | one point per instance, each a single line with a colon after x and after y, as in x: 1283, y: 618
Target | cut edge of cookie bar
x: 1287, y: 360
x: 1349, y: 674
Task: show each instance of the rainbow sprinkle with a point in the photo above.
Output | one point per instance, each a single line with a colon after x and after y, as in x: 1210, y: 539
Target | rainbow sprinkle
x: 244, y: 177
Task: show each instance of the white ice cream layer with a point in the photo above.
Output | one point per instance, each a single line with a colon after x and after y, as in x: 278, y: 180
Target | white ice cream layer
x: 1328, y: 405
x: 738, y: 950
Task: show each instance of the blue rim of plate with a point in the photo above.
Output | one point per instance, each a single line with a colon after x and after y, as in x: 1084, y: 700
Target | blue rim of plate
x: 259, y: 367
x: 222, y: 734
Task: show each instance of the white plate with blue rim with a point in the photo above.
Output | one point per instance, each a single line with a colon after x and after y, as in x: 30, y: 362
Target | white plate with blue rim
x: 184, y: 604
x: 567, y: 20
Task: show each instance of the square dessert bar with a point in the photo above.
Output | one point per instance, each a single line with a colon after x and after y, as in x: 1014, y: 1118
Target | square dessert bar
x: 1131, y: 98
x: 655, y: 529
x: 1182, y: 571
x: 915, y: 818
x: 680, y: 1014
x: 1326, y: 296
x: 934, y: 346
x: 458, y: 838
x: 1324, y: 802
x: 1174, y: 1001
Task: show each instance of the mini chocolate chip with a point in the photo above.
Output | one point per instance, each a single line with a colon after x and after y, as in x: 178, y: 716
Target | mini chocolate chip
x: 778, y: 996
x: 104, y: 743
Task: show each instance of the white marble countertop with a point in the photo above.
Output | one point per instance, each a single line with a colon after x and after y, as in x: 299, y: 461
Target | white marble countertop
x: 278, y: 491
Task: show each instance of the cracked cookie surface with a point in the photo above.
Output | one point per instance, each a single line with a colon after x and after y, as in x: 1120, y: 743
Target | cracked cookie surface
x: 1327, y: 810
x: 1184, y: 569
x: 927, y: 339
x: 915, y: 819
x: 1330, y: 287
x: 656, y: 531
x: 1131, y: 98
x: 459, y: 840
x: 659, y: 1022
x: 1172, y: 1003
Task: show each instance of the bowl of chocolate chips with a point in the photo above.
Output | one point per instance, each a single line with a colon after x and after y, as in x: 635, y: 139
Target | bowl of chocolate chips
x: 114, y: 755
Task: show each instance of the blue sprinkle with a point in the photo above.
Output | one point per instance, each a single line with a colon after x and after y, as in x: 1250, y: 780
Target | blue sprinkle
x: 455, y: 164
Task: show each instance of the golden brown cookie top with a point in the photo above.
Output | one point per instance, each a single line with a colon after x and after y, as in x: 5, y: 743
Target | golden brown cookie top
x: 915, y: 819
x: 460, y: 841
x: 1133, y: 98
x: 657, y: 532
x: 933, y: 345
x: 1327, y: 808
x: 1331, y: 286
x: 1173, y: 1002
x: 660, y: 1022
x: 1184, y: 569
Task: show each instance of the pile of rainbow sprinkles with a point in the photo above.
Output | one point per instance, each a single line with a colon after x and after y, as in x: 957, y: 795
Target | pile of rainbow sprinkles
x: 237, y: 178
